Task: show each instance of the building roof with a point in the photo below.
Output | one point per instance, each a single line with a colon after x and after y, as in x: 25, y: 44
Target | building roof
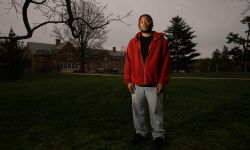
x: 114, y: 53
x: 117, y: 53
x: 102, y: 53
x: 43, y: 48
x: 48, y: 49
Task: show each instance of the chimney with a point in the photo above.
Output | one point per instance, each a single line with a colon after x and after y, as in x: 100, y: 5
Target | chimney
x: 114, y: 49
x: 58, y: 41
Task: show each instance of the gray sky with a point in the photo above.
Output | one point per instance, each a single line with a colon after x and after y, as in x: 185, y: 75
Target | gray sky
x: 211, y: 20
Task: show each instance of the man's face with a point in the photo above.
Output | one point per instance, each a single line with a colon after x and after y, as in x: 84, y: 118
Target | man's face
x: 145, y: 24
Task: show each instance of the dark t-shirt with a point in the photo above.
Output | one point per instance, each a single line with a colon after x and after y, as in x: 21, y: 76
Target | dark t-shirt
x: 145, y: 42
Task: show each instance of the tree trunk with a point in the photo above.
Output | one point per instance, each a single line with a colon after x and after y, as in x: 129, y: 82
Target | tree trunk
x: 82, y: 50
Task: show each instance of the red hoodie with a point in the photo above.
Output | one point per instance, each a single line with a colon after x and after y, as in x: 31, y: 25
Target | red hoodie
x: 157, y: 66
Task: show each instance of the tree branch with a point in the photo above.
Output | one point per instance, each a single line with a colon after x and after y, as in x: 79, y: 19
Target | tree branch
x: 54, y: 16
x: 35, y: 2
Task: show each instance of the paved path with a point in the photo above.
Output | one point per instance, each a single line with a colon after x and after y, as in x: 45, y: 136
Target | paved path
x: 207, y: 78
x: 211, y: 78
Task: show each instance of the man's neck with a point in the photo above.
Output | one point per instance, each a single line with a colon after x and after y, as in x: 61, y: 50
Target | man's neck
x: 146, y: 34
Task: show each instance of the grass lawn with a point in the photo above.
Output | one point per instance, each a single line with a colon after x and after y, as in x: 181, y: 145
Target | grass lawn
x: 75, y: 112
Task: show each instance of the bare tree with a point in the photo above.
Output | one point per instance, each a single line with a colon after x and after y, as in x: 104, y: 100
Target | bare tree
x: 247, y: 6
x: 55, y: 11
x: 88, y: 39
x: 85, y: 25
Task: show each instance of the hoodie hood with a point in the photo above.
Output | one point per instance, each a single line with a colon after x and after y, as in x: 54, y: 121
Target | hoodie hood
x: 155, y: 34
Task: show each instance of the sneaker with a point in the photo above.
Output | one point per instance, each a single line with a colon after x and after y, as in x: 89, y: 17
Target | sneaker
x: 138, y: 138
x: 158, y: 143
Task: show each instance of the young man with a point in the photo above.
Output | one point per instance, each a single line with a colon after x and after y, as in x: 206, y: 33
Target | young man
x: 147, y: 71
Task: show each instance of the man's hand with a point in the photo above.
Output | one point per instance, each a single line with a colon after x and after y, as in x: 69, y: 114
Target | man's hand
x: 131, y: 88
x: 159, y: 88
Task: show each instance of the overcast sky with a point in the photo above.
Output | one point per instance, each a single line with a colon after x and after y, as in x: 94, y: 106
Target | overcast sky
x: 211, y: 20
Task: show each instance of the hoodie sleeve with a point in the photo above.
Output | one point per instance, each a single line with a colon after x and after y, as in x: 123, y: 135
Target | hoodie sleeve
x: 166, y: 67
x: 127, y: 66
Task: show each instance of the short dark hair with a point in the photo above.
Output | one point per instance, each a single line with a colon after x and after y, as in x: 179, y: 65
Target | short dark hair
x: 148, y: 16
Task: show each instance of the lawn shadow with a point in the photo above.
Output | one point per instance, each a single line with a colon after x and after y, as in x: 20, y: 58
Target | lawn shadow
x: 224, y: 127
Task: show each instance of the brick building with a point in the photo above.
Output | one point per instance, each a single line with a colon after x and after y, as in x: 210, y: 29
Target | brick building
x: 64, y: 57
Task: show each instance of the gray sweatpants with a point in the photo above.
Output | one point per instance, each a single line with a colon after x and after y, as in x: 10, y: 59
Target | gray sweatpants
x: 139, y: 99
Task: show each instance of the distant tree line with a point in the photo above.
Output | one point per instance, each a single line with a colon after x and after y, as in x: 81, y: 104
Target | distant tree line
x: 237, y: 57
x: 234, y: 57
x: 221, y: 61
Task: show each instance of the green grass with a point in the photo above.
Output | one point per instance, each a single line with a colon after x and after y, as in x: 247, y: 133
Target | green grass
x: 75, y: 112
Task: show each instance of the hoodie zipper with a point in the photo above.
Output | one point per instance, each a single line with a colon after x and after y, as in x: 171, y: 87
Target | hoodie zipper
x: 149, y: 48
x: 144, y: 64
